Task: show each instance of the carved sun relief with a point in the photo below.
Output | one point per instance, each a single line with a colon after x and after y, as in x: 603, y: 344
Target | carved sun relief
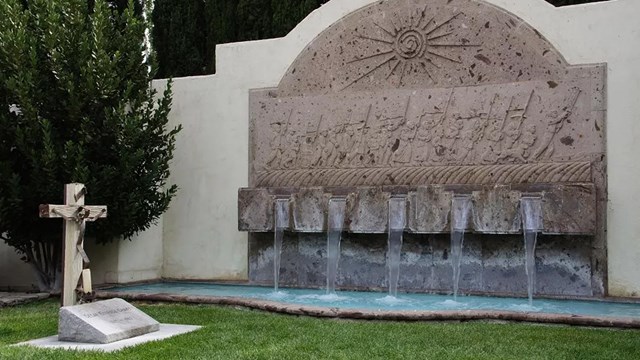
x: 415, y: 43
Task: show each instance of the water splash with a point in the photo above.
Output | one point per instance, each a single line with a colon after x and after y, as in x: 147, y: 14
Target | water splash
x: 392, y: 301
x: 460, y: 209
x: 281, y: 220
x: 531, y: 212
x: 397, y: 213
x: 330, y: 298
x: 335, y: 224
x: 524, y: 308
x: 277, y: 295
x: 453, y: 304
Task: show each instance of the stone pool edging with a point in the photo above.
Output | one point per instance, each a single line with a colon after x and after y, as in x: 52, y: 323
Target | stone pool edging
x: 355, y: 314
x: 612, y: 299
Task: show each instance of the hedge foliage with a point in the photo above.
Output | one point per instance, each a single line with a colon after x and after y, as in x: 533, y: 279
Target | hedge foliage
x: 76, y: 106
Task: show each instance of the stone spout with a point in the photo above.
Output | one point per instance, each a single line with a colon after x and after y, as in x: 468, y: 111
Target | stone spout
x: 566, y: 208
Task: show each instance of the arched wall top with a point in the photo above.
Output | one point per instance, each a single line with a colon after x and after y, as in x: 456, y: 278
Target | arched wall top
x: 408, y: 84
x: 422, y: 43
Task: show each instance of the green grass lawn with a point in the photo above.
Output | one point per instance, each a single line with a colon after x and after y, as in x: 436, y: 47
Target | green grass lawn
x: 245, y: 334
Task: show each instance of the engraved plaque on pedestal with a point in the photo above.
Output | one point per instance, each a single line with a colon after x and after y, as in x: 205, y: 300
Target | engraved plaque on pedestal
x: 103, y: 322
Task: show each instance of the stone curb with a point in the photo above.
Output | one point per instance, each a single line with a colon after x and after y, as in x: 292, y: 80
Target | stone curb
x: 442, y: 315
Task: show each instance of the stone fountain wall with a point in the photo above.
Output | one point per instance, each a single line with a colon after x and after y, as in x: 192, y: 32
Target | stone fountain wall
x: 490, y: 264
x: 493, y: 256
x: 427, y: 99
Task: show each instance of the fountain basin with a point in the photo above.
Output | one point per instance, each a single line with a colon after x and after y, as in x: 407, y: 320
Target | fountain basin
x: 378, y: 306
x: 339, y: 123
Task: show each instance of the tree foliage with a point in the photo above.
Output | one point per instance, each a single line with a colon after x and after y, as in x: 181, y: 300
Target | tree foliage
x: 181, y: 22
x: 76, y: 106
x: 186, y: 32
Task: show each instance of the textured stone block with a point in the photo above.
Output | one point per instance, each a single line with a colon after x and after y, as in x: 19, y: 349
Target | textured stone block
x: 363, y: 262
x: 255, y: 210
x: 309, y: 207
x: 570, y: 209
x: 429, y: 209
x: 461, y: 213
x: 103, y: 322
x: 503, y: 260
x: 496, y: 210
x: 282, y: 213
x: 368, y: 210
x: 563, y: 265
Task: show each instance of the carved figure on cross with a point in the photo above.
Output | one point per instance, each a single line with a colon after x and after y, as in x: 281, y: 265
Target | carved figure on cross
x: 76, y: 280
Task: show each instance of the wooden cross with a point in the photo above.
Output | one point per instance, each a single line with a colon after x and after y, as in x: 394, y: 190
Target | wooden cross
x: 76, y: 274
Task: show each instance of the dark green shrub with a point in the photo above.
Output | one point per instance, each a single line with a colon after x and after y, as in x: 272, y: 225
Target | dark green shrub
x: 76, y: 106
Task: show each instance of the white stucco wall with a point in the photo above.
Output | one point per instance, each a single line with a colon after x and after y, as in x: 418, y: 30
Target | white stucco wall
x: 201, y: 240
x: 201, y: 237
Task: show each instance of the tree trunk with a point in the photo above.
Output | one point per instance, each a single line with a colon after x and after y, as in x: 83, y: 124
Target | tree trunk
x: 45, y: 260
x: 49, y: 281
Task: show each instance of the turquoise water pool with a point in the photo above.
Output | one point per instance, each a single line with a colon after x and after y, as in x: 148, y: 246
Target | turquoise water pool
x: 380, y: 301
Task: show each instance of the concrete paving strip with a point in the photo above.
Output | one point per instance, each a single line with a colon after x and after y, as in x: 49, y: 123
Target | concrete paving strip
x: 166, y: 331
x: 17, y: 298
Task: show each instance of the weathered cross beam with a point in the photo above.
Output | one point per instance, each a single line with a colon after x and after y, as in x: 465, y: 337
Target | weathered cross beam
x: 76, y: 274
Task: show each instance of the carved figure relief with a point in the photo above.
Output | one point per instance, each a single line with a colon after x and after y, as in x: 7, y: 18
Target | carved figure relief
x: 555, y: 121
x: 275, y: 155
x: 398, y: 128
x: 421, y: 148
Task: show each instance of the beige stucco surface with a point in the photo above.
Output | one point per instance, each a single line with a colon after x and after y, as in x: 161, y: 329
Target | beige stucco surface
x: 138, y: 259
x: 126, y: 261
x: 200, y: 240
x: 14, y: 274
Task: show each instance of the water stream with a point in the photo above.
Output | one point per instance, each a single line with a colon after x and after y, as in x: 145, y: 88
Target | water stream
x: 531, y: 212
x: 281, y: 222
x: 335, y: 223
x: 460, y: 209
x: 397, y: 214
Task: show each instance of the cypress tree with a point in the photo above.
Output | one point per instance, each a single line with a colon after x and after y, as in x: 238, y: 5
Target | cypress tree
x: 285, y: 13
x: 220, y: 18
x: 185, y: 50
x: 179, y: 37
x: 253, y: 20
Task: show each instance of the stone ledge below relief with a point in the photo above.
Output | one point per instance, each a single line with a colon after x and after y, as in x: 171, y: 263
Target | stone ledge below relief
x: 448, y: 175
